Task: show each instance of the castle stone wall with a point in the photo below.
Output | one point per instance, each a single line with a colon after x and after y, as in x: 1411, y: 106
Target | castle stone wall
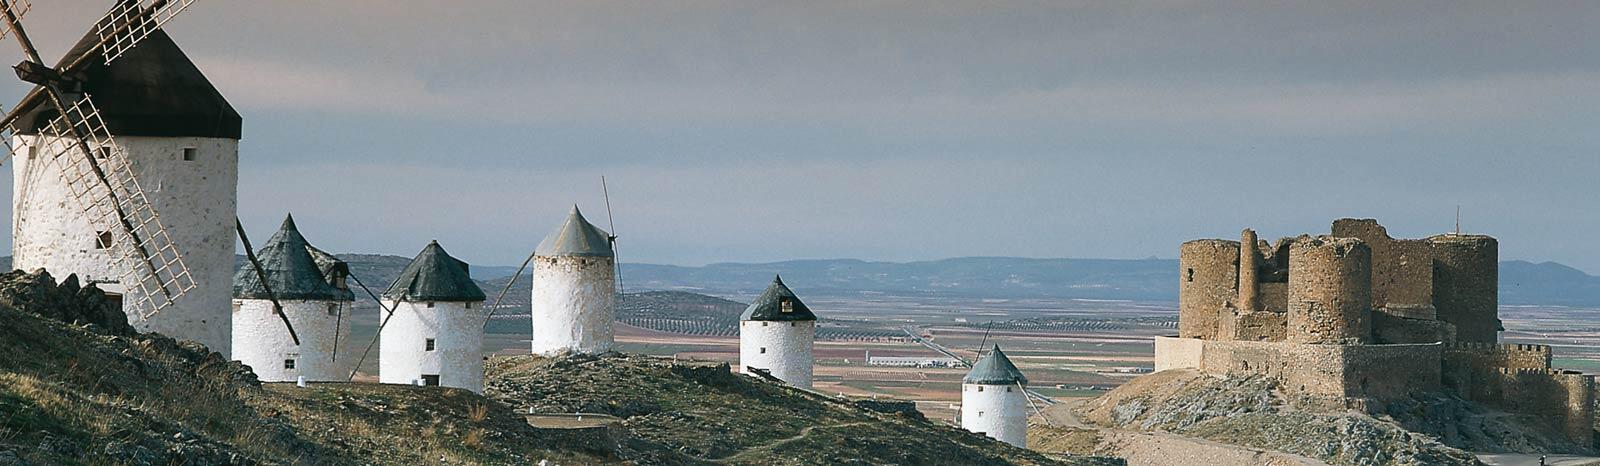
x: 1566, y: 398
x: 1208, y: 283
x: 1179, y: 353
x: 1402, y: 269
x: 1466, y: 285
x: 1274, y: 297
x: 1252, y: 326
x: 1330, y: 291
x: 1391, y: 327
x: 1322, y: 374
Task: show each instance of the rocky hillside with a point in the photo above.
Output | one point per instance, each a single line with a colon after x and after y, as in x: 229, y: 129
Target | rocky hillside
x: 701, y: 413
x: 1251, y: 412
x: 77, y: 386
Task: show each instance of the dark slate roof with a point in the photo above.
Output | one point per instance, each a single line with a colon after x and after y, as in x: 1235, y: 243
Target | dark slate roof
x: 995, y: 369
x: 291, y: 270
x: 152, y: 90
x: 334, y: 270
x: 576, y: 237
x: 435, y: 276
x: 769, y: 306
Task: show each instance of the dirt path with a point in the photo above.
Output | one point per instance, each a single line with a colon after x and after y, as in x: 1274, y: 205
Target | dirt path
x: 780, y: 442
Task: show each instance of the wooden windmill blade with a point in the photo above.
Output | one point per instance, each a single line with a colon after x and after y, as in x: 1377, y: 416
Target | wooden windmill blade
x: 131, y: 21
x: 16, y: 8
x: 99, y: 177
x: 123, y: 27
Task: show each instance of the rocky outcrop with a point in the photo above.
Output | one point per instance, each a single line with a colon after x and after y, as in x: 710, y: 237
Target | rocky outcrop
x: 37, y: 293
x: 1252, y: 412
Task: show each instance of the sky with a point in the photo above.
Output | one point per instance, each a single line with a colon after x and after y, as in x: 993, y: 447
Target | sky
x: 743, y: 131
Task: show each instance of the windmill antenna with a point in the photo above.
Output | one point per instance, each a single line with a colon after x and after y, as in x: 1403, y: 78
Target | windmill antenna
x: 612, y: 224
x: 1458, y: 219
x: 387, y: 314
x: 261, y: 275
x: 514, y: 277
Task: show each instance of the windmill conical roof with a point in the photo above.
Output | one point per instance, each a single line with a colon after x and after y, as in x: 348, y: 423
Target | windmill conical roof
x: 435, y: 276
x: 995, y: 369
x: 576, y: 237
x: 151, y: 90
x: 769, y: 306
x: 291, y: 269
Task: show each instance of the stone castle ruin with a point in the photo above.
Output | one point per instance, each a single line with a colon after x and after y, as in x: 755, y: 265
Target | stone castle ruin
x: 1356, y: 318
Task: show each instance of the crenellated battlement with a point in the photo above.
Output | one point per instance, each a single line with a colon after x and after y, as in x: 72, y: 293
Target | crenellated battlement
x: 1507, y: 347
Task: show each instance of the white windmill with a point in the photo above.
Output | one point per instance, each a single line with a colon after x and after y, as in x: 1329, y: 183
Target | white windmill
x: 577, y: 287
x: 91, y: 173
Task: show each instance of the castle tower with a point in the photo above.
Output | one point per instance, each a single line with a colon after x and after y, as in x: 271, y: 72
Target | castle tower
x: 574, y: 290
x: 436, y: 333
x: 182, y: 143
x: 776, y: 334
x: 992, y: 400
x: 310, y: 285
x: 1208, y: 283
x: 1466, y: 292
x: 1249, y: 264
x: 1330, y: 291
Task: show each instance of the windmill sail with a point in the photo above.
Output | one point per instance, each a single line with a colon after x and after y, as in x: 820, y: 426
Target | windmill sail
x: 129, y: 22
x: 96, y: 172
x: 16, y: 8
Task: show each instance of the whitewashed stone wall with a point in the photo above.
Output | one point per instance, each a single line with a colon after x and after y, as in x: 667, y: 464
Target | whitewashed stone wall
x: 574, y: 304
x: 998, y: 411
x: 457, y: 355
x: 261, y: 341
x: 784, y: 348
x: 197, y: 201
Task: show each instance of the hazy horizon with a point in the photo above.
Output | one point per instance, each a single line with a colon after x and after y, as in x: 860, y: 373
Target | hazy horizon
x: 898, y: 131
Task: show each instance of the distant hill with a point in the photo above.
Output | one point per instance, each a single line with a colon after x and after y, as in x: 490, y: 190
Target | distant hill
x: 1549, y: 283
x: 1521, y: 282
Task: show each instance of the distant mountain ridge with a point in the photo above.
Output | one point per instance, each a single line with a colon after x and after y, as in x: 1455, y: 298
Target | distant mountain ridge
x: 1521, y: 282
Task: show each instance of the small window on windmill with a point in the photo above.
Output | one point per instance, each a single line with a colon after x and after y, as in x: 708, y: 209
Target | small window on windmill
x: 430, y: 304
x: 763, y: 350
x: 428, y: 345
x: 469, y: 305
x: 786, y: 305
x: 102, y: 240
x: 33, y: 151
x: 980, y: 388
x: 980, y: 413
x: 333, y: 309
x: 189, y: 153
x: 288, y: 364
x: 431, y: 380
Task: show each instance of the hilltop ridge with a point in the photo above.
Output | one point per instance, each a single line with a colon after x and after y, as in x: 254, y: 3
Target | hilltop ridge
x: 77, y: 386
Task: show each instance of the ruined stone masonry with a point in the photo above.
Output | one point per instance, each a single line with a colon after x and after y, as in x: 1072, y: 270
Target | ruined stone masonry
x: 1357, y: 318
